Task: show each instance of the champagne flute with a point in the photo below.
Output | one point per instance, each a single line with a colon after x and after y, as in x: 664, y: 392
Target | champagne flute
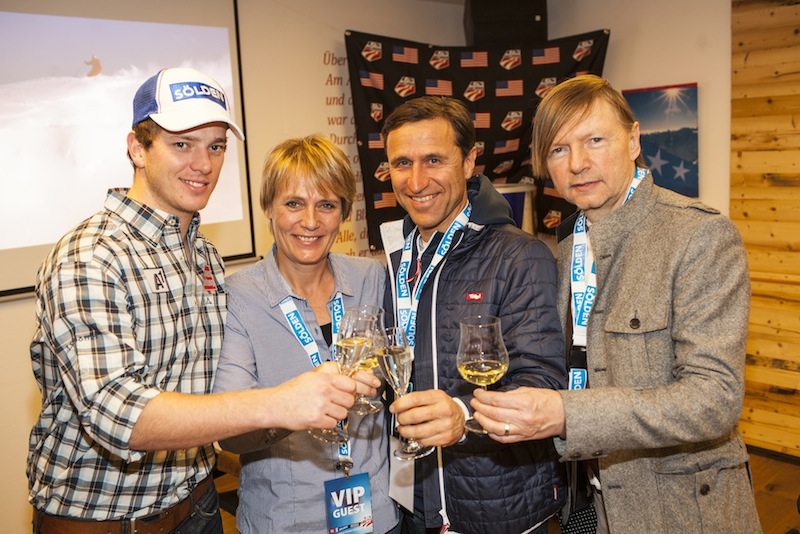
x: 364, y: 405
x: 395, y: 359
x: 353, y: 342
x: 482, y: 357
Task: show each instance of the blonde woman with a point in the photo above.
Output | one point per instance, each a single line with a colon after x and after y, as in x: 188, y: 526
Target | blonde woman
x: 307, y: 191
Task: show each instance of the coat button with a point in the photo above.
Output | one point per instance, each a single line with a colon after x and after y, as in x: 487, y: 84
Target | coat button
x: 597, y: 454
x: 635, y: 323
x: 704, y: 489
x: 575, y: 456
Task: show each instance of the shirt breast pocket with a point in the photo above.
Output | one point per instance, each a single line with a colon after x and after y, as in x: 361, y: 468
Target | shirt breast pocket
x: 637, y: 345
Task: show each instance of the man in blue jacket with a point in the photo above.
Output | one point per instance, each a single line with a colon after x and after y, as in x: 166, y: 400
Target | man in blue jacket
x: 466, y: 257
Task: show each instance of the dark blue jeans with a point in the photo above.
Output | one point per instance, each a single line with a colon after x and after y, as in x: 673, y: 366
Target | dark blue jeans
x: 205, y: 518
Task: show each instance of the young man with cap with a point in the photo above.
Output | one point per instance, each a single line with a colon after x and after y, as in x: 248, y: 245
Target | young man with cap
x: 130, y: 311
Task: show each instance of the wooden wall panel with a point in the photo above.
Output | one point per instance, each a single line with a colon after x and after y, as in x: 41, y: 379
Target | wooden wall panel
x: 765, y: 88
x: 760, y: 107
x: 765, y: 210
x: 783, y: 161
x: 765, y: 206
x: 774, y: 125
x: 762, y: 15
x: 783, y: 236
x: 768, y: 260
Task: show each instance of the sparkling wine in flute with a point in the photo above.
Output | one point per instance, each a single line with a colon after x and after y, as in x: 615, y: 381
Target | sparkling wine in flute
x: 395, y: 365
x: 365, y: 405
x: 395, y: 359
x: 350, y: 351
x: 368, y: 362
x: 354, y: 342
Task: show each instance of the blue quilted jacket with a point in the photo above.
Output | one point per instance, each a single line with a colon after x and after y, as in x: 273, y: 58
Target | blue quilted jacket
x: 495, y: 269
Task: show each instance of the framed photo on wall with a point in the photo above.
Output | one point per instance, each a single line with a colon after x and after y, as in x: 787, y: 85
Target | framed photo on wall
x: 667, y: 117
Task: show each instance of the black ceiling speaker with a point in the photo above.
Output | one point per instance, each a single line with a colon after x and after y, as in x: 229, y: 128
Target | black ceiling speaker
x: 500, y: 22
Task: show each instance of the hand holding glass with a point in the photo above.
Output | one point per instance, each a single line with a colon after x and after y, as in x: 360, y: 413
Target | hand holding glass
x: 482, y: 356
x: 395, y: 360
x: 353, y: 343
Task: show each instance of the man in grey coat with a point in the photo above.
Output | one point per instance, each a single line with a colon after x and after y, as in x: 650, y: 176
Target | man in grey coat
x: 656, y: 306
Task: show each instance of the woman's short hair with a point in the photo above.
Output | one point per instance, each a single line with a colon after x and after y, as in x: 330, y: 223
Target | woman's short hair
x: 315, y: 159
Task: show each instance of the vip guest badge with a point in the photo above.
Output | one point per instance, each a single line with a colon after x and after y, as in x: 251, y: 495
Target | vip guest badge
x: 349, y: 505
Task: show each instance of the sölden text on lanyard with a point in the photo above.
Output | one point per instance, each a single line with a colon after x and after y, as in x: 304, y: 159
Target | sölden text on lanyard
x: 300, y: 330
x: 306, y: 340
x: 407, y: 296
x: 583, y: 277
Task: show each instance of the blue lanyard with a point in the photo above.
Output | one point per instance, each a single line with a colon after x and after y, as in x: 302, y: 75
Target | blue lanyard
x: 300, y: 330
x: 583, y: 276
x: 306, y: 340
x: 408, y: 297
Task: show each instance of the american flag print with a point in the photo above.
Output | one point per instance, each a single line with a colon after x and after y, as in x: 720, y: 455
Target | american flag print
x: 504, y: 166
x: 405, y: 54
x: 474, y: 59
x: 546, y: 56
x: 552, y: 219
x: 500, y: 85
x: 384, y: 200
x: 504, y: 147
x: 375, y: 140
x: 481, y: 120
x: 508, y: 88
x: 439, y: 87
x: 371, y: 79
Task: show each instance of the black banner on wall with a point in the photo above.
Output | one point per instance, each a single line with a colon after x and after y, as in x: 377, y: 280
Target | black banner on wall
x: 501, y: 86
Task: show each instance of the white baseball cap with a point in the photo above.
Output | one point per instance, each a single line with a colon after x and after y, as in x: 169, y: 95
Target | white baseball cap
x: 179, y: 99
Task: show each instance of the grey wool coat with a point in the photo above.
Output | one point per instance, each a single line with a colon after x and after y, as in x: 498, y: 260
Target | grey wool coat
x: 666, y: 353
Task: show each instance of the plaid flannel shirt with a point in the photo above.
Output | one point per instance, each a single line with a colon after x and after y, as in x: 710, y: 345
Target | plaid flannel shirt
x: 122, y: 315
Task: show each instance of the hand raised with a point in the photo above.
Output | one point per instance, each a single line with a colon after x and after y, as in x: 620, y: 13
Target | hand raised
x: 315, y: 399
